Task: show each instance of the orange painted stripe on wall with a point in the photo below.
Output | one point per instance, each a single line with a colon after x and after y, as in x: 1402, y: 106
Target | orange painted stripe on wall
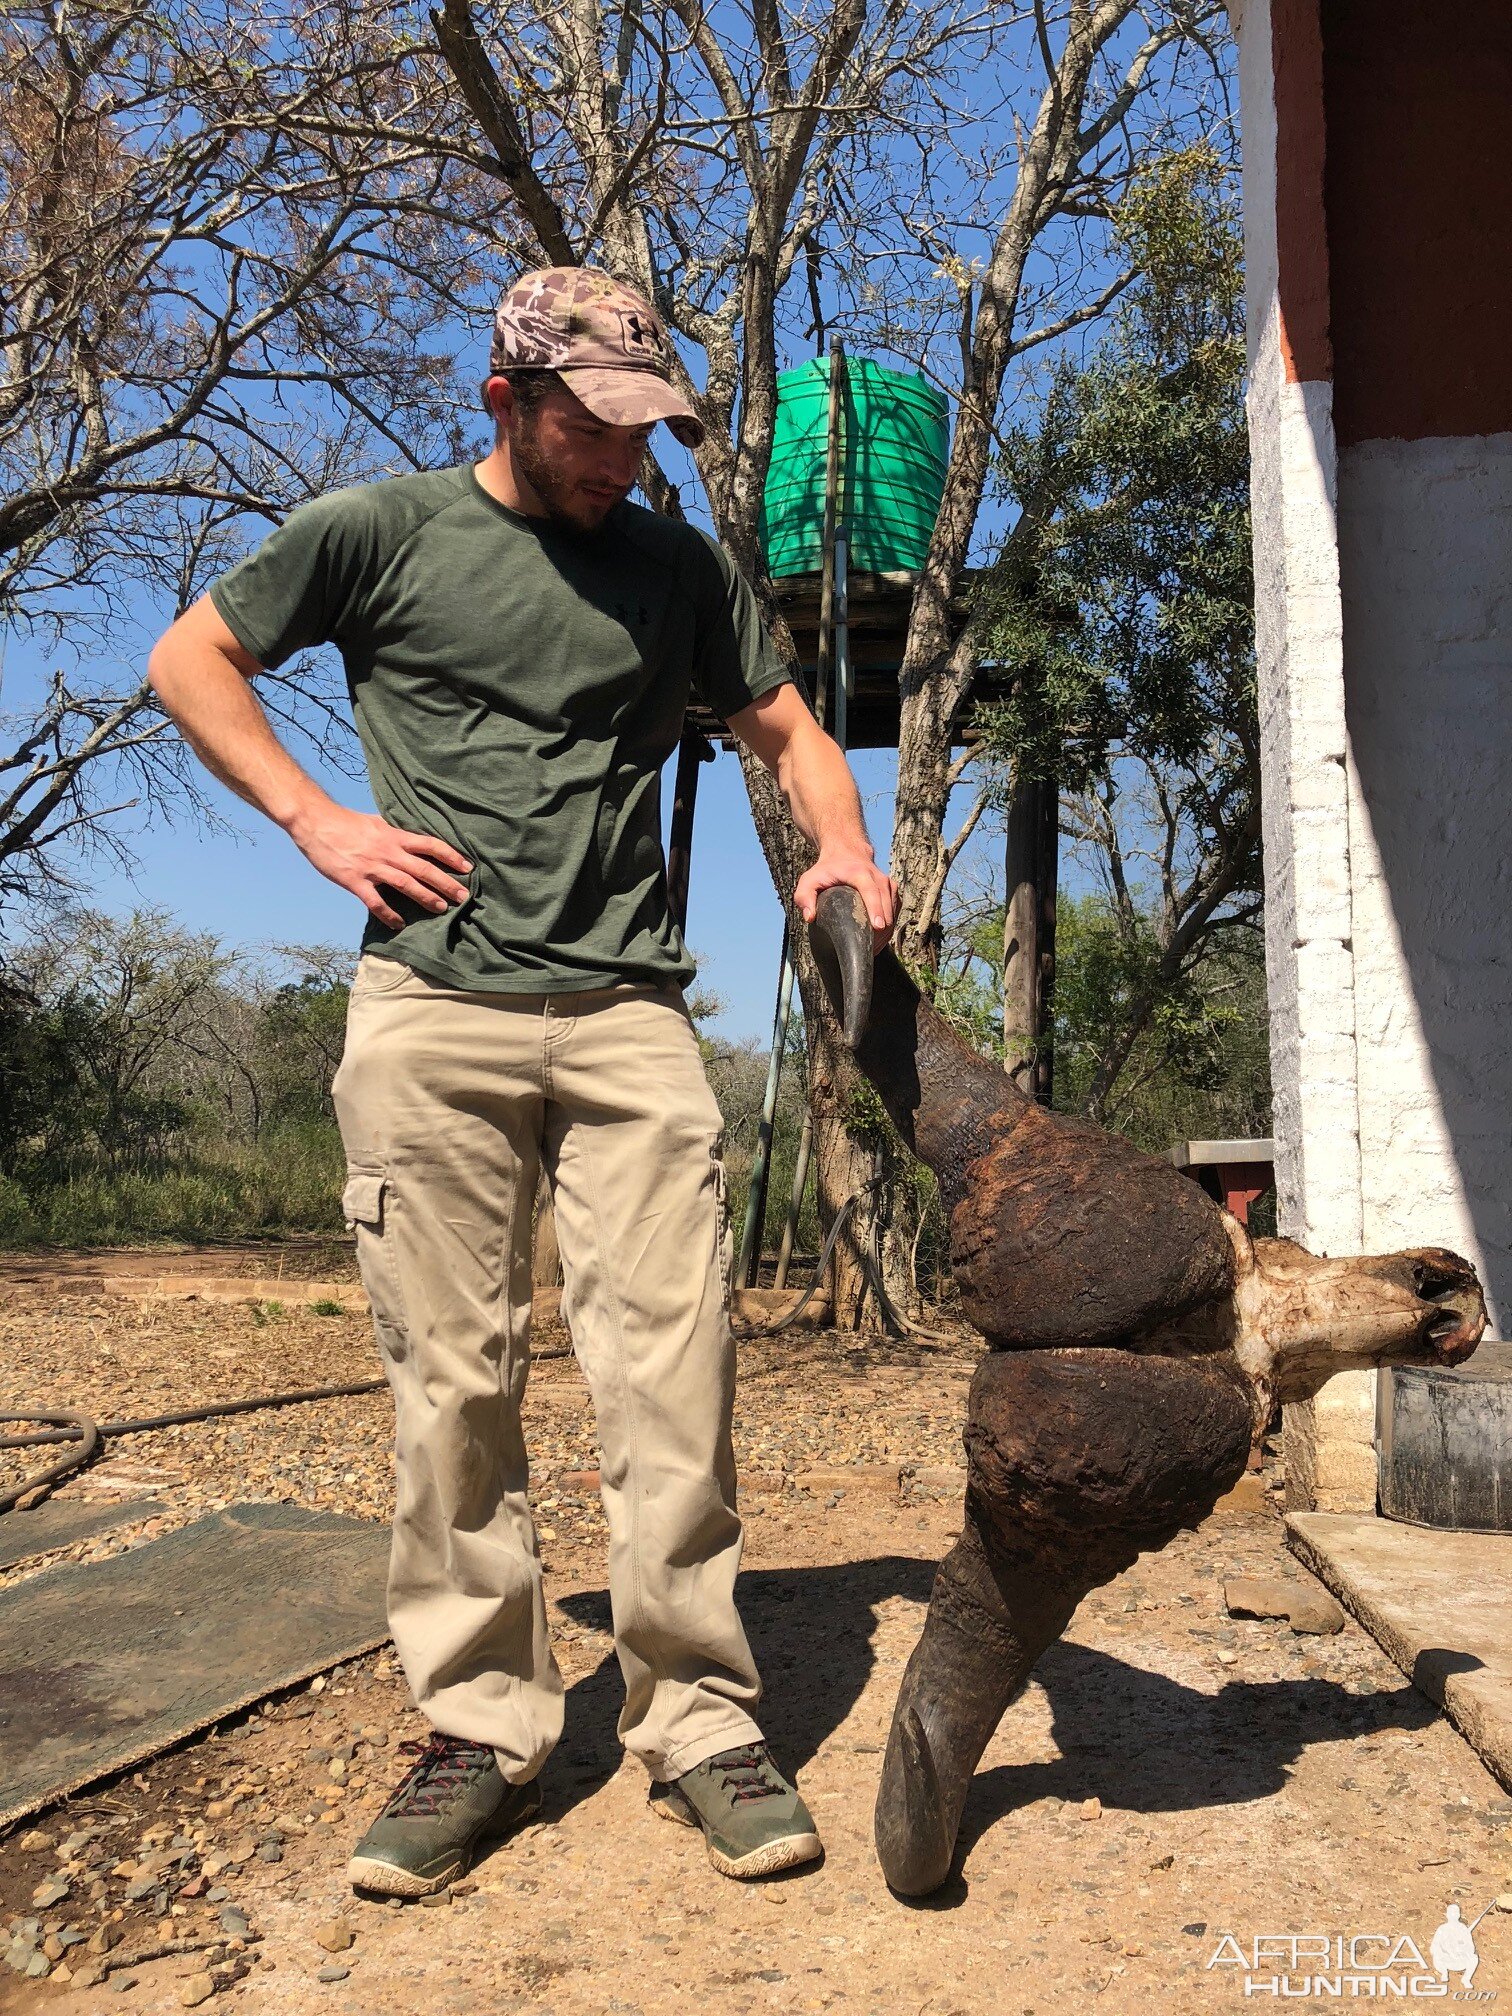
x: 1301, y: 225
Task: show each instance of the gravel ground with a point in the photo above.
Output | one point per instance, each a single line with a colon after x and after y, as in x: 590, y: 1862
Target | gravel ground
x: 1171, y: 1775
x: 307, y: 1257
x: 809, y: 1402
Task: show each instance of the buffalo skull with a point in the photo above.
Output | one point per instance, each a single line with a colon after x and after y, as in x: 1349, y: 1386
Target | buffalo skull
x: 1139, y: 1339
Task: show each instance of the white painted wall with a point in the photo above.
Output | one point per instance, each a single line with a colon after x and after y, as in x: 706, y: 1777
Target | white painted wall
x: 1383, y: 588
x: 1300, y: 650
x: 1310, y: 968
x: 1426, y: 573
x: 1304, y: 750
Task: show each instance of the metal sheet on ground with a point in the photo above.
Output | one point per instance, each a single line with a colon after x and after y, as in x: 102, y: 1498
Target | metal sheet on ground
x: 105, y: 1663
x: 55, y: 1524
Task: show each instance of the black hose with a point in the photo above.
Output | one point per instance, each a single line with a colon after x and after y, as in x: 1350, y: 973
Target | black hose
x: 871, y: 1262
x: 771, y: 1329
x: 69, y: 1426
x: 72, y: 1427
x: 88, y: 1434
x: 207, y: 1413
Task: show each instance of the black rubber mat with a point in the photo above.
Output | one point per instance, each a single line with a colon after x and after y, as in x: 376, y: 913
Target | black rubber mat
x: 104, y: 1663
x: 56, y: 1524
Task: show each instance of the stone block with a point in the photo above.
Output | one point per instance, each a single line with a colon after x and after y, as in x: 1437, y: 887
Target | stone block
x: 1316, y: 784
x: 758, y: 1307
x: 1329, y: 1446
x: 579, y: 1482
x: 1249, y: 1495
x: 1307, y: 1608
x: 1325, y: 982
x: 937, y: 1480
x: 1325, y: 1058
x: 763, y: 1483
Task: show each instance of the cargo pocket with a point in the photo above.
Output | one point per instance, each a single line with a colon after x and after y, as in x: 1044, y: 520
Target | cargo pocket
x: 367, y: 1204
x: 723, y: 1236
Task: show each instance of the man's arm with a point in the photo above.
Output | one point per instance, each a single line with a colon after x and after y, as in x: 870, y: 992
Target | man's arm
x: 821, y: 794
x: 203, y: 678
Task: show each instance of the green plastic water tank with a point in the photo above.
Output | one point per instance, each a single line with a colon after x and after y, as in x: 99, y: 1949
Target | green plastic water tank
x: 897, y: 437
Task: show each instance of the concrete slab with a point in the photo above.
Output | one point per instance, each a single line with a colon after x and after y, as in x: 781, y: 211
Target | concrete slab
x: 345, y: 1295
x: 1439, y: 1604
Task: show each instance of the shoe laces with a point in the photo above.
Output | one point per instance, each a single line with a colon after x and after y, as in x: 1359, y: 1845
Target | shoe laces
x: 442, y: 1767
x: 748, y: 1774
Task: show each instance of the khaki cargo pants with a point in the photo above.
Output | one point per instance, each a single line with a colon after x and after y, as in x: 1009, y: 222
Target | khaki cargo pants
x: 449, y: 1103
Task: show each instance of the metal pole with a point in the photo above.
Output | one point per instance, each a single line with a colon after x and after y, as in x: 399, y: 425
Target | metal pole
x: 1044, y: 1065
x: 834, y: 448
x: 755, y: 1217
x: 1032, y: 852
x: 693, y: 750
x: 833, y: 618
x: 844, y: 683
x: 1021, y: 949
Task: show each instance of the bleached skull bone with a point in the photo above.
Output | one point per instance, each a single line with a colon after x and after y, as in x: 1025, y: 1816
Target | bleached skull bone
x: 1294, y: 1319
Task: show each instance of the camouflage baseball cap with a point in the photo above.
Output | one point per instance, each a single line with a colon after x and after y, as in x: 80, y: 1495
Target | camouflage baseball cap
x: 606, y: 342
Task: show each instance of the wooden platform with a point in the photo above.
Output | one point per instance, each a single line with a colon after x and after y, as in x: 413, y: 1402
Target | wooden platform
x: 879, y: 609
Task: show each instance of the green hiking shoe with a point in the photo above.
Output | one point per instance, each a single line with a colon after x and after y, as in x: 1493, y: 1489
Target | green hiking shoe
x: 753, y: 1821
x: 452, y: 1799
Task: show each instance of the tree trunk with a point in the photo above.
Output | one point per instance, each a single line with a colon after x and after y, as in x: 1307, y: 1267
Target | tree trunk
x: 843, y: 1157
x: 1031, y: 866
x: 843, y: 1165
x: 935, y: 676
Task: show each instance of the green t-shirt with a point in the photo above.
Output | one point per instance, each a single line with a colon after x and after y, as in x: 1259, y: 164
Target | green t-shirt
x: 517, y: 687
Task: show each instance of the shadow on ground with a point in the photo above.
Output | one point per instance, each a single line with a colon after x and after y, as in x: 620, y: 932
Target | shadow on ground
x: 1139, y: 1741
x: 1136, y: 1740
x: 811, y: 1631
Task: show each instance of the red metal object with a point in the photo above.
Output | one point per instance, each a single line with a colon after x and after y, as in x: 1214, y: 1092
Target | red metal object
x: 1230, y: 1176
x: 1241, y: 1184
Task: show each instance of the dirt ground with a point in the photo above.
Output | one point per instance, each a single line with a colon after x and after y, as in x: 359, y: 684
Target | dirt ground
x: 1170, y: 1776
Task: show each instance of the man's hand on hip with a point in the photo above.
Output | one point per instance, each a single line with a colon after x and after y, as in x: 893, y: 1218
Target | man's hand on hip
x: 204, y: 676
x: 854, y: 870
x: 363, y: 853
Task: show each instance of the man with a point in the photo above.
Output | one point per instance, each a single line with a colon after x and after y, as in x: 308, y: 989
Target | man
x: 520, y: 642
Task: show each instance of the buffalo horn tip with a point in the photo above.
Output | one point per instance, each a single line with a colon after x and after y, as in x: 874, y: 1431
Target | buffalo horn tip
x: 841, y: 935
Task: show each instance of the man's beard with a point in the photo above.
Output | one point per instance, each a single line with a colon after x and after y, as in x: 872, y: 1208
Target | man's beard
x: 562, y: 504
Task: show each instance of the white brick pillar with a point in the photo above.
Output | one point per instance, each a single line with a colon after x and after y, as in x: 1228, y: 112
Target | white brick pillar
x: 1329, y: 1442
x: 1380, y: 297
